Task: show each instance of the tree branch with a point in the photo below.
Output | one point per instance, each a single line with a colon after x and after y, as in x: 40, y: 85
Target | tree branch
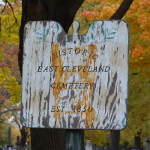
x: 16, y: 120
x: 1, y: 102
x: 16, y: 21
x: 3, y: 8
x: 124, y: 7
x: 9, y: 110
x: 7, y: 2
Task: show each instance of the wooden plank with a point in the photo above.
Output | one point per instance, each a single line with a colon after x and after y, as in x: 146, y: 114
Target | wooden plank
x: 75, y: 81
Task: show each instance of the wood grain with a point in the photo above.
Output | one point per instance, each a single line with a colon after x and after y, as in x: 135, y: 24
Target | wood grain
x: 75, y: 81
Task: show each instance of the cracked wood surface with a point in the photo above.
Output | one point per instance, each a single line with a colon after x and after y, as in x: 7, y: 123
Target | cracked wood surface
x: 75, y: 81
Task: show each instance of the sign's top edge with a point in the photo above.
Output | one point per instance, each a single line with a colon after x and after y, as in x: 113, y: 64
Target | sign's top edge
x: 111, y: 20
x: 76, y: 24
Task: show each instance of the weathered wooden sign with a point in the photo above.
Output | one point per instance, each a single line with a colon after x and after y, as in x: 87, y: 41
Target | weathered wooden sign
x: 75, y: 81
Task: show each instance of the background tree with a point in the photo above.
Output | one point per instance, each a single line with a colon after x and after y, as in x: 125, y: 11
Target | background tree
x: 10, y: 88
x: 139, y: 74
x: 9, y: 71
x: 97, y: 137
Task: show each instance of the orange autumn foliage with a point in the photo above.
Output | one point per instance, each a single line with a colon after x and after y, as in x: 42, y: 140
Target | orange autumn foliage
x: 138, y: 17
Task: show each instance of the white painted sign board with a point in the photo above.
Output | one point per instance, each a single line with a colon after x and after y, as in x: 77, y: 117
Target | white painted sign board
x: 75, y: 81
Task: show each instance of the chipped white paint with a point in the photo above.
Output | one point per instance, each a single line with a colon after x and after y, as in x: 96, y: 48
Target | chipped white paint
x: 75, y: 81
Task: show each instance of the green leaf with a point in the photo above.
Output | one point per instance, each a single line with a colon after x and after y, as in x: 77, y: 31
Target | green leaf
x: 12, y: 1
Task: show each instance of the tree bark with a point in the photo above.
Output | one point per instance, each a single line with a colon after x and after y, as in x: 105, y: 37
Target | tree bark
x: 137, y: 141
x: 114, y: 139
x: 47, y: 139
x: 23, y: 136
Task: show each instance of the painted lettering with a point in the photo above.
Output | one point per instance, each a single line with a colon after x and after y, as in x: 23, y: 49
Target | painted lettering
x: 101, y: 69
x: 55, y: 68
x: 69, y: 49
x: 85, y: 69
x: 86, y: 85
x: 107, y: 68
x: 46, y: 69
x: 65, y: 68
x: 40, y: 68
x: 75, y: 50
x: 51, y: 69
x: 95, y: 56
x: 63, y: 52
x: 72, y: 85
x: 81, y: 86
x: 74, y: 68
x: 75, y: 109
x: 95, y: 69
x: 79, y: 68
x: 91, y: 85
x: 57, y: 108
x: 85, y: 52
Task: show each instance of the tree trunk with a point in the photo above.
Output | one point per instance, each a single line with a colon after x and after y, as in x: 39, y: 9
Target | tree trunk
x: 114, y: 139
x: 23, y: 136
x: 47, y: 139
x: 137, y: 141
x: 62, y: 11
